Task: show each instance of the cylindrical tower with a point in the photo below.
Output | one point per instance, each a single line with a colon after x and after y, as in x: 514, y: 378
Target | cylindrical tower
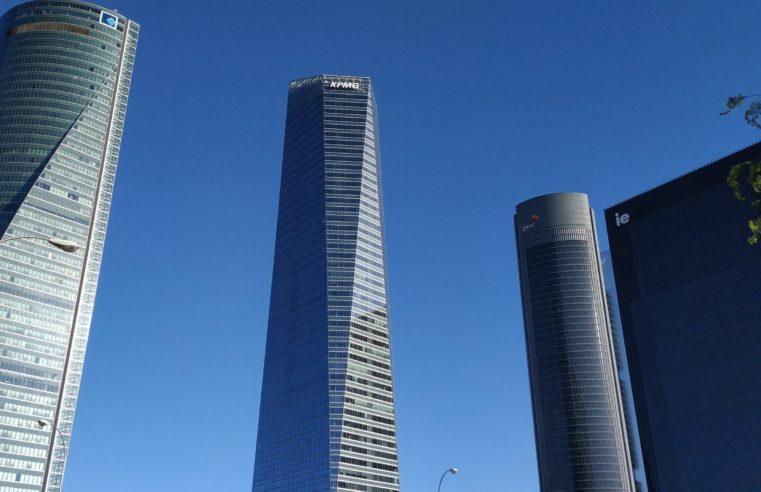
x: 578, y: 419
x: 65, y: 71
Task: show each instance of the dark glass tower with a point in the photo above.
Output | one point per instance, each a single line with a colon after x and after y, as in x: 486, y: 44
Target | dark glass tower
x: 65, y: 71
x: 327, y: 420
x: 688, y: 290
x: 578, y: 417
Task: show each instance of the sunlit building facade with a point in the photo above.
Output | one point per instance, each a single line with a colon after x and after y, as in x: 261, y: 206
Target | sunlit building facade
x: 578, y: 416
x: 327, y: 420
x: 65, y: 71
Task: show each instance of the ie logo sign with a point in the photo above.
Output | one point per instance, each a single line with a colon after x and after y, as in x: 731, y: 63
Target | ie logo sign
x: 622, y: 219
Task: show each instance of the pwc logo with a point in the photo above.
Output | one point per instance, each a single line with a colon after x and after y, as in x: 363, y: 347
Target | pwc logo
x: 622, y: 219
x: 534, y: 219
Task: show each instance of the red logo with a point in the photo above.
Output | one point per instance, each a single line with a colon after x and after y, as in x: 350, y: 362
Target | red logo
x: 534, y: 218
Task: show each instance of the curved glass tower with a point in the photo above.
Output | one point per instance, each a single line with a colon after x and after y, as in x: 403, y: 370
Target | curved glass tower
x: 65, y: 70
x: 578, y: 417
x: 327, y: 420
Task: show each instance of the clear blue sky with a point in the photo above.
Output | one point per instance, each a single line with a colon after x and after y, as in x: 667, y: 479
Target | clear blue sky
x: 482, y: 105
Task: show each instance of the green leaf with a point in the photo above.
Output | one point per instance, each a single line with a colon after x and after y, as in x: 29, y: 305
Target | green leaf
x: 754, y: 176
x: 733, y: 180
x: 754, y: 181
x: 753, y: 114
x: 735, y: 101
x: 755, y: 230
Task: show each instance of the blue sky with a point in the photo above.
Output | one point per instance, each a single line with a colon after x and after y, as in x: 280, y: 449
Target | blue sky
x: 482, y: 105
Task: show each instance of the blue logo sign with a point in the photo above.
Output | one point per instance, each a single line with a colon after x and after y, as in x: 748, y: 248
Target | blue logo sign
x: 109, y: 19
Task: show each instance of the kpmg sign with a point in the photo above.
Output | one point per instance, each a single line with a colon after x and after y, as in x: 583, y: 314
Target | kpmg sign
x: 336, y: 84
x: 109, y: 19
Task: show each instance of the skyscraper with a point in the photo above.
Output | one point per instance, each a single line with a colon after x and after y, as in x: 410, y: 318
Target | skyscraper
x: 327, y: 420
x: 624, y: 380
x: 578, y: 417
x: 65, y: 70
x: 687, y: 284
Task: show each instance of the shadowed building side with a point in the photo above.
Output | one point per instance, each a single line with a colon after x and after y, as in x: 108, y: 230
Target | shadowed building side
x: 688, y: 291
x: 624, y: 380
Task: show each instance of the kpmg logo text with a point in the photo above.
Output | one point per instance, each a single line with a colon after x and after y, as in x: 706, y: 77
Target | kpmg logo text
x: 109, y: 19
x: 335, y: 84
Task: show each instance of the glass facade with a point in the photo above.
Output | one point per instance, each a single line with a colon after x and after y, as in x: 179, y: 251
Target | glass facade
x: 327, y: 419
x: 65, y: 70
x: 687, y: 285
x: 624, y: 381
x: 578, y: 416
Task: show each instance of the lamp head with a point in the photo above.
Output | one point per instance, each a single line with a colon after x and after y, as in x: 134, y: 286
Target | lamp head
x: 42, y: 423
x: 453, y: 471
x: 64, y: 244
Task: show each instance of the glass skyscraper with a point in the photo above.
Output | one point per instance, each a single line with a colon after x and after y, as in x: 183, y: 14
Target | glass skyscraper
x: 688, y: 290
x: 65, y: 70
x: 624, y: 381
x: 578, y: 416
x: 327, y: 419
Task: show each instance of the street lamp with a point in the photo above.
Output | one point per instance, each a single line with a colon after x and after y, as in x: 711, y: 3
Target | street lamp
x: 43, y: 423
x: 69, y: 247
x: 62, y: 244
x: 452, y: 470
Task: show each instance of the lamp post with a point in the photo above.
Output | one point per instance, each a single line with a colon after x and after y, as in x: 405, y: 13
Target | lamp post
x: 62, y: 244
x: 452, y: 470
x: 69, y: 247
x: 43, y: 423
